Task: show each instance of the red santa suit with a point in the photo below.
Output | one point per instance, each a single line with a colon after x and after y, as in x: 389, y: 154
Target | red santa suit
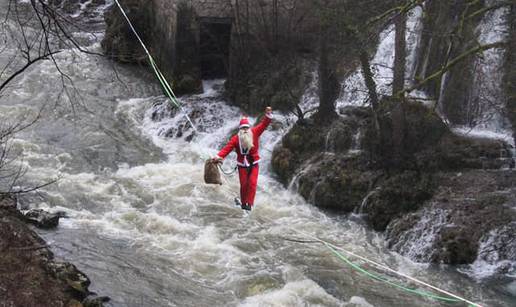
x: 247, y: 160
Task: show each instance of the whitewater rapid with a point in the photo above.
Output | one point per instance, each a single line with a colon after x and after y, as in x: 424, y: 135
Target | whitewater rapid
x: 146, y: 229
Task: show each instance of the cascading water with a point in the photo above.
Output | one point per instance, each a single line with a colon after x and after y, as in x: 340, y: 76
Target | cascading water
x: 486, y: 107
x: 487, y: 103
x: 488, y: 100
x: 147, y: 230
x: 353, y: 89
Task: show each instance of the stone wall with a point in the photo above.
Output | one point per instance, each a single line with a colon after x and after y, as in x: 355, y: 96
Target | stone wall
x: 164, y: 26
x: 170, y: 30
x: 212, y: 8
x: 268, y: 46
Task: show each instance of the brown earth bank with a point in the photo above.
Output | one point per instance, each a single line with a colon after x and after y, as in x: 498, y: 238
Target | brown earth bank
x: 29, y: 274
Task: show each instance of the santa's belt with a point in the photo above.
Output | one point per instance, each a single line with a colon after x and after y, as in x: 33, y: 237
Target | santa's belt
x: 247, y: 165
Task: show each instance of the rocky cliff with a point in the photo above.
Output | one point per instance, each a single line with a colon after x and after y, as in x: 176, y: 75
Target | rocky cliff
x: 30, y: 274
x: 448, y: 195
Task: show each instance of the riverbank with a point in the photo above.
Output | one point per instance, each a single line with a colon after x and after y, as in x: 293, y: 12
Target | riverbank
x: 30, y: 275
x: 448, y: 199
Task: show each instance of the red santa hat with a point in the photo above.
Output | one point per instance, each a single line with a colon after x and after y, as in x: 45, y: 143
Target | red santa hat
x: 244, y: 123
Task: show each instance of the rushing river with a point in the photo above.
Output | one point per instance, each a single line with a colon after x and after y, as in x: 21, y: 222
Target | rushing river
x: 145, y: 228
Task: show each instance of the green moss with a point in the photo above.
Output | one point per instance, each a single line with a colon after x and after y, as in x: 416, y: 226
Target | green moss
x: 399, y: 194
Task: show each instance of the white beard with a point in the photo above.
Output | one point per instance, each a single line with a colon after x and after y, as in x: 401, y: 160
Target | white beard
x: 246, y: 139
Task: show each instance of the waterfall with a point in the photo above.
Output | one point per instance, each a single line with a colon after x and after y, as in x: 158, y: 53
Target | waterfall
x: 353, y: 89
x: 495, y: 248
x: 486, y: 106
x: 413, y: 38
x: 418, y: 242
x: 487, y: 103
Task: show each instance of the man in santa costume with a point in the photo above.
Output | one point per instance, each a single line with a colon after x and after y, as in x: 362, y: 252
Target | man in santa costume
x: 246, y: 144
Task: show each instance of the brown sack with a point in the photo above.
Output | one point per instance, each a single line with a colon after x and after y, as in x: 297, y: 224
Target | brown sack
x: 211, y: 173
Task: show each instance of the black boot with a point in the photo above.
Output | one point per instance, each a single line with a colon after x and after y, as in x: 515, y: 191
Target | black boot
x: 238, y: 203
x: 246, y: 207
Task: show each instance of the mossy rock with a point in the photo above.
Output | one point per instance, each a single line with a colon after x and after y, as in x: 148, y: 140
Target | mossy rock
x: 455, y: 247
x: 340, y: 136
x: 336, y: 183
x: 188, y: 85
x: 399, y: 194
x: 458, y: 152
x: 304, y: 138
x: 283, y: 163
x: 74, y: 303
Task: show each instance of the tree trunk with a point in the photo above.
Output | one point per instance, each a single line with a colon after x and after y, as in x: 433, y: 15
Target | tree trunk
x: 328, y: 83
x: 369, y: 80
x: 510, y: 75
x: 400, y: 54
x: 398, y: 113
x: 371, y: 87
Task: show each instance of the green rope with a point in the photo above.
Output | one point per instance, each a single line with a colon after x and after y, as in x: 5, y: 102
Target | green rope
x: 164, y: 83
x: 382, y: 279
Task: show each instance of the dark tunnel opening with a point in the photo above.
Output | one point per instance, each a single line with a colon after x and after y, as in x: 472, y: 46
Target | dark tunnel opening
x: 214, y: 42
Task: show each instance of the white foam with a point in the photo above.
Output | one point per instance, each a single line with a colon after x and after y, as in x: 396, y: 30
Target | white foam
x: 417, y: 243
x: 295, y: 293
x: 479, y: 132
x: 496, y: 255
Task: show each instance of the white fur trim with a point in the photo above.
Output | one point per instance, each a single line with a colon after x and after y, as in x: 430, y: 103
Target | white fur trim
x: 269, y: 115
x: 247, y: 165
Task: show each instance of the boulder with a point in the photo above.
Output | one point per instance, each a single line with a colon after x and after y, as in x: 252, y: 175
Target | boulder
x: 457, y: 221
x: 396, y: 196
x: 95, y: 301
x: 43, y: 219
x: 455, y: 152
x: 68, y: 273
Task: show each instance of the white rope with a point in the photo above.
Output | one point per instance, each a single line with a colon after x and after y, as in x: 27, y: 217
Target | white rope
x: 378, y: 265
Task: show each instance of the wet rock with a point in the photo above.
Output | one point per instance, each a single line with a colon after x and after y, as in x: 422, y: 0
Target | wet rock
x: 74, y: 303
x: 95, y: 301
x: 29, y: 272
x: 339, y: 137
x: 190, y: 137
x: 456, y: 224
x: 336, y: 183
x: 498, y: 249
x: 421, y: 132
x: 263, y: 81
x: 284, y: 164
x: 454, y: 152
x: 355, y: 112
x: 71, y: 276
x: 188, y: 84
x: 43, y: 219
x: 398, y: 195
